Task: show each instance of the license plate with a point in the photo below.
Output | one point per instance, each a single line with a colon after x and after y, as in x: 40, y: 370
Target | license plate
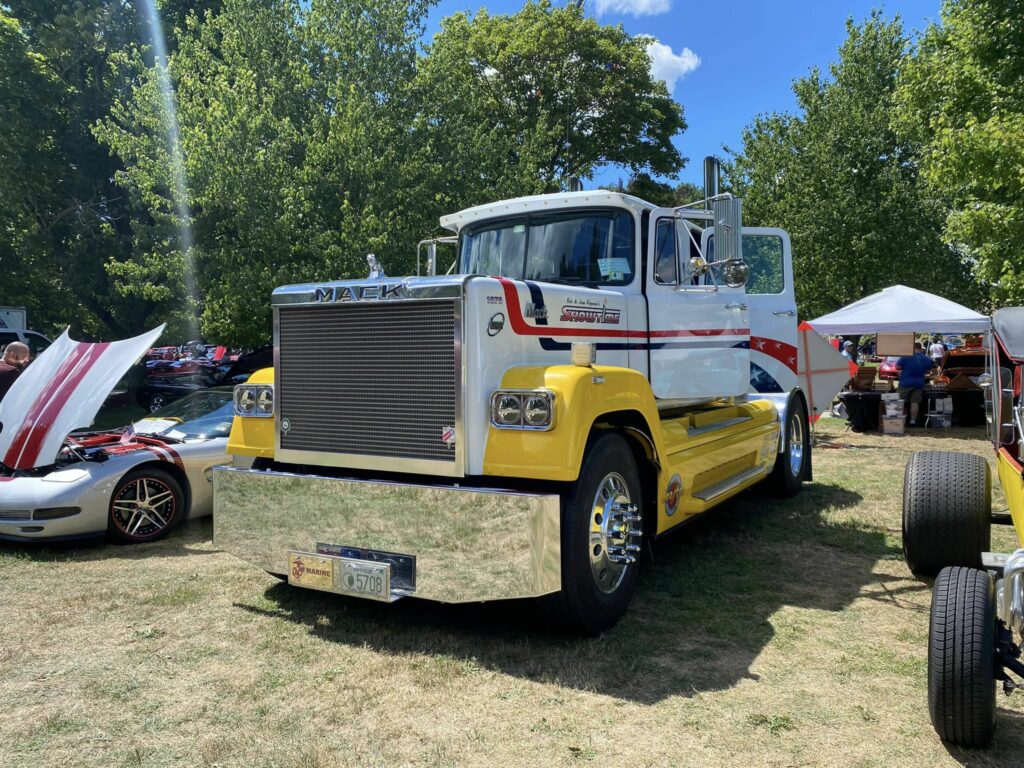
x: 372, y: 580
x: 342, y: 575
x: 311, y: 571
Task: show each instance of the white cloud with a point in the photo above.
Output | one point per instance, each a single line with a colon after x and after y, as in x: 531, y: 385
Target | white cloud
x: 669, y: 66
x: 632, y: 7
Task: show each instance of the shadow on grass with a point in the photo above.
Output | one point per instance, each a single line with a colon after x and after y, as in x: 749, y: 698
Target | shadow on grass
x: 705, y: 600
x: 1007, y: 744
x: 184, y: 540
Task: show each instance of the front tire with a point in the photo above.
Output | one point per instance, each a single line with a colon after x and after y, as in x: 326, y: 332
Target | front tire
x: 146, y: 505
x: 601, y: 531
x: 961, y: 657
x: 947, y: 511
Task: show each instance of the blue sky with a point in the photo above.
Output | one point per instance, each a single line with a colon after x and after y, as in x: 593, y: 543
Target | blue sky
x: 732, y: 60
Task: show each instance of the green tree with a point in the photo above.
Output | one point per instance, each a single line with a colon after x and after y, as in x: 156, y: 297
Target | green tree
x: 63, y: 219
x: 521, y: 103
x: 314, y: 133
x: 661, y: 193
x: 962, y: 98
x: 846, y: 186
x: 294, y: 125
x: 68, y: 215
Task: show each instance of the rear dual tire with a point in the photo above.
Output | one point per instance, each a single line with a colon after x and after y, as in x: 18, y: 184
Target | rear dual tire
x: 947, y: 511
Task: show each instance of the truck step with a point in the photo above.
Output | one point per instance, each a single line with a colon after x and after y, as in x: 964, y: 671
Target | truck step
x: 721, y: 488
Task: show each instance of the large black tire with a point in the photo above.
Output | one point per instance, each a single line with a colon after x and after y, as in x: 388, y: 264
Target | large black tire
x: 947, y: 511
x: 590, y: 603
x: 793, y: 464
x: 140, y: 508
x: 961, y: 657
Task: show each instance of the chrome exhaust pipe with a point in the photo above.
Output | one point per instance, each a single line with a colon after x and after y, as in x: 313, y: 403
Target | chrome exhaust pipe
x: 712, y: 177
x: 1010, y: 592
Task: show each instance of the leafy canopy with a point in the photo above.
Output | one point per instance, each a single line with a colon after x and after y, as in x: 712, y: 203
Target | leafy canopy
x: 961, y: 98
x: 846, y: 186
x: 314, y: 133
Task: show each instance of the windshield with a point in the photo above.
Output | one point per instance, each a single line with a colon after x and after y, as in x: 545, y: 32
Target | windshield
x: 581, y: 248
x: 201, y: 415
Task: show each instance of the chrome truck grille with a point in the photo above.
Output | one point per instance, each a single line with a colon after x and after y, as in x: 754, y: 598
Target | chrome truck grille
x: 369, y: 385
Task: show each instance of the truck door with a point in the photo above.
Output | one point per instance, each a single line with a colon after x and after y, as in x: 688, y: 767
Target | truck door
x: 772, y: 309
x: 697, y: 331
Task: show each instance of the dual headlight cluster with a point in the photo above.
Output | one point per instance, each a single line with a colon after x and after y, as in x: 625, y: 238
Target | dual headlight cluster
x: 254, y: 400
x: 523, y: 409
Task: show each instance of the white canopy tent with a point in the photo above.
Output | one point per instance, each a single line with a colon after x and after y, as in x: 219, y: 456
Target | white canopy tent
x: 900, y: 309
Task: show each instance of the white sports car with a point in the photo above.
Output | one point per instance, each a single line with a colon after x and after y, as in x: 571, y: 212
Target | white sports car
x: 134, y: 484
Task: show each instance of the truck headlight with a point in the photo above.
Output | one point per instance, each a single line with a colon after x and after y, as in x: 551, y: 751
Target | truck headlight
x: 523, y: 409
x: 254, y: 400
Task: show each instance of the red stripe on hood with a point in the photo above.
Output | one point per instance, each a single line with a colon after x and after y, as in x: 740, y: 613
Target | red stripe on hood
x: 35, y: 430
x: 41, y: 401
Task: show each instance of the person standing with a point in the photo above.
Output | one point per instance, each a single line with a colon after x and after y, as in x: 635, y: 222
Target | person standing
x: 937, y: 351
x: 14, y: 362
x: 912, y: 370
x: 848, y: 352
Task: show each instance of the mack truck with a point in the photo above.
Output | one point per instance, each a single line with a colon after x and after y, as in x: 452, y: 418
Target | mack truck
x: 593, y: 372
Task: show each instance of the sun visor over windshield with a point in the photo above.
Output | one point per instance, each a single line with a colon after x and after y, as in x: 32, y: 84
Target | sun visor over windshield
x: 62, y: 390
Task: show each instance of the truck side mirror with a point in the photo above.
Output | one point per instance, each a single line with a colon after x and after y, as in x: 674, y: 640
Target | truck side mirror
x: 735, y: 273
x: 698, y: 266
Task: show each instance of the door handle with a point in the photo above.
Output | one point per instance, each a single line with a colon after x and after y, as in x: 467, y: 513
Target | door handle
x: 787, y: 313
x: 736, y: 306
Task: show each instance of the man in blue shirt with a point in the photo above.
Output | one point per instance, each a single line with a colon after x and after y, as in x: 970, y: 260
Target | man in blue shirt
x: 912, y: 370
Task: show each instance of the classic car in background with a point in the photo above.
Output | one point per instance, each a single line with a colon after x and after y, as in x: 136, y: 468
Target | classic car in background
x: 164, y: 381
x: 133, y: 484
x: 887, y: 369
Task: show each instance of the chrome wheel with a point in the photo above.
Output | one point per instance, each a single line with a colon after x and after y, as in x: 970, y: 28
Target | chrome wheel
x: 143, y: 508
x: 796, y: 444
x: 614, y: 532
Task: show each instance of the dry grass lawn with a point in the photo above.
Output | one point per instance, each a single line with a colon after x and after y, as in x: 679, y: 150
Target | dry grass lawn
x: 769, y: 634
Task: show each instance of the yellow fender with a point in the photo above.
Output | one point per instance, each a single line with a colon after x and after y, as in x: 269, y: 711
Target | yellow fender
x: 1011, y: 479
x: 582, y: 396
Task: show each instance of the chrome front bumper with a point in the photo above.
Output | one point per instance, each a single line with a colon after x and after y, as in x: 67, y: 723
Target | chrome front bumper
x: 470, y: 544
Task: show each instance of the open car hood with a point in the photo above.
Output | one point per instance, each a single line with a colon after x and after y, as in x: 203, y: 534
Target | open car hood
x: 61, y: 391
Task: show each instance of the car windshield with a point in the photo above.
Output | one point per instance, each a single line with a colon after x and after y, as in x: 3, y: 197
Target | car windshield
x: 592, y: 248
x: 201, y: 415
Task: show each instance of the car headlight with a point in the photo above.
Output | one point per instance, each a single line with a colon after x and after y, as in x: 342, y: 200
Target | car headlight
x: 254, y: 400
x: 523, y: 409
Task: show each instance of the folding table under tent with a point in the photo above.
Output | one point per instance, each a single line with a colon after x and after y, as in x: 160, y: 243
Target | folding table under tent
x: 900, y: 309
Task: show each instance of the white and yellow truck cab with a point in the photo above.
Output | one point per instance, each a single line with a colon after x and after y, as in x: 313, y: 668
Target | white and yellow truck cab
x: 593, y: 372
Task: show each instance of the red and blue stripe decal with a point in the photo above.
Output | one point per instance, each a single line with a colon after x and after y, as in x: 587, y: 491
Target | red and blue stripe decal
x: 548, y: 334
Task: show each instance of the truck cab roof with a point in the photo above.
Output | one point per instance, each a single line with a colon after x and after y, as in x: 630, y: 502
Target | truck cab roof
x: 598, y: 198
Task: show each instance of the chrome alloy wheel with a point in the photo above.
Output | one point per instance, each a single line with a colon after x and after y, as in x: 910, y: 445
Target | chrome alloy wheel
x: 143, y: 508
x: 796, y: 444
x: 614, y: 533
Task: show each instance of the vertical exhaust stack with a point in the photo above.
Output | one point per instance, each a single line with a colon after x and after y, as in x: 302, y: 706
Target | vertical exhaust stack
x: 712, y: 174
